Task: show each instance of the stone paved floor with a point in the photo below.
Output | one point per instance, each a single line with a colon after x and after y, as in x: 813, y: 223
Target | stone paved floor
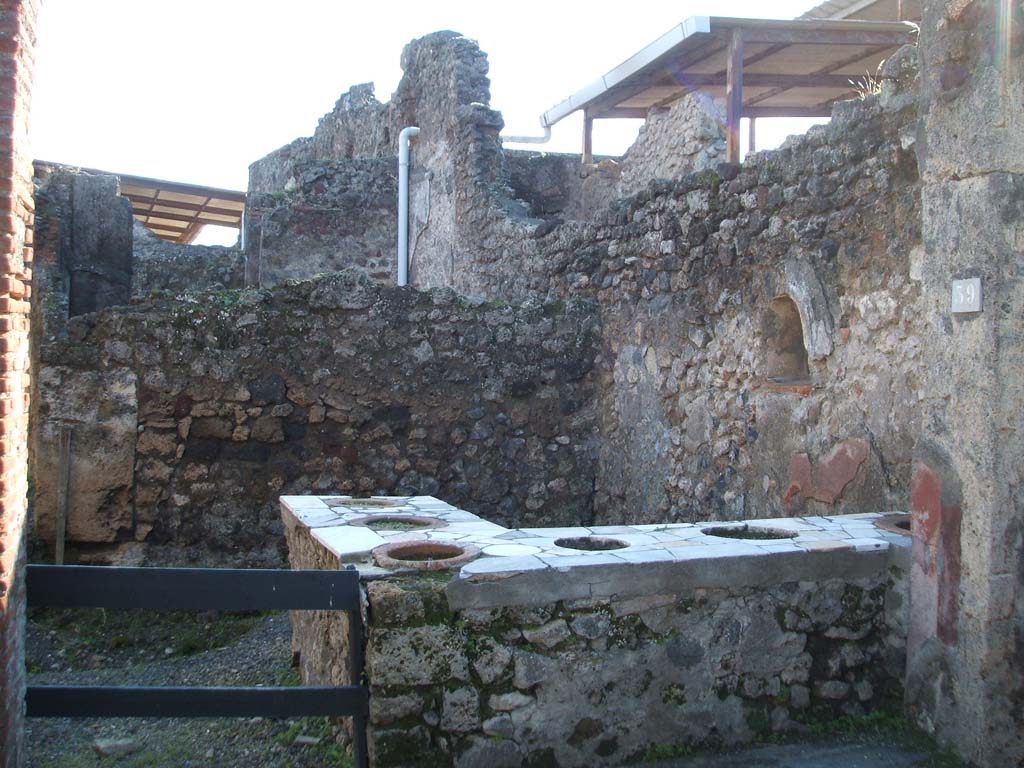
x: 851, y: 755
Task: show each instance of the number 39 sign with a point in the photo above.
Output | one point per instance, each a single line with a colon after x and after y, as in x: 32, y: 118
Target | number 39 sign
x: 966, y: 296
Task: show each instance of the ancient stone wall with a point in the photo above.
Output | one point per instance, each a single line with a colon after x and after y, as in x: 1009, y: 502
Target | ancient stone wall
x: 159, y: 265
x: 559, y: 186
x: 760, y: 348
x: 192, y: 414
x: 674, y: 141
x: 696, y: 282
x: 965, y: 677
x: 474, y: 211
x: 275, y: 173
x: 94, y: 255
x: 332, y: 215
x: 18, y: 35
x: 600, y: 681
x: 86, y: 262
x: 358, y: 127
x: 463, y: 216
x: 327, y: 202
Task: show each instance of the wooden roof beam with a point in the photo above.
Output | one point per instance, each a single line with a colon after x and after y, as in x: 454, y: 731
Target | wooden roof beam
x: 236, y: 223
x: 734, y: 96
x: 860, y: 56
x: 634, y: 113
x: 767, y: 52
x: 668, y: 72
x: 183, y: 207
x: 172, y: 186
x: 818, y: 111
x: 760, y: 35
x: 756, y: 80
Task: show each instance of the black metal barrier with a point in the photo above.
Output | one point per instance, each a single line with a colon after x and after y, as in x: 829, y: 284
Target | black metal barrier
x: 72, y: 586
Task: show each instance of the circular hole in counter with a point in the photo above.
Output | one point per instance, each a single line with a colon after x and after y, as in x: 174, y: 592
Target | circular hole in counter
x: 424, y: 555
x: 747, y: 532
x: 398, y: 522
x: 366, y: 503
x: 894, y: 524
x: 590, y: 543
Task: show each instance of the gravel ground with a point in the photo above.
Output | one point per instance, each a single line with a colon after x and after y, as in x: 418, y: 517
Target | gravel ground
x: 261, y: 656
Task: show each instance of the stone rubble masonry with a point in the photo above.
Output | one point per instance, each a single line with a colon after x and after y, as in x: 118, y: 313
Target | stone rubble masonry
x: 674, y: 141
x: 684, y: 420
x: 327, y: 202
x: 965, y: 677
x: 646, y: 395
x: 17, y: 48
x: 159, y: 265
x: 684, y: 275
x: 192, y: 414
x: 559, y: 186
x: 470, y: 202
x: 91, y: 254
x: 331, y: 215
x: 84, y: 236
x: 359, y: 127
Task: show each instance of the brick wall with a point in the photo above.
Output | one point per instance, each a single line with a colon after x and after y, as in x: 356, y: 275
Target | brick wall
x: 17, y: 43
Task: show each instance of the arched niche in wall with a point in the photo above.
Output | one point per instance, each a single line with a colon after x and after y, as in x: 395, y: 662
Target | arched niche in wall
x: 784, y: 338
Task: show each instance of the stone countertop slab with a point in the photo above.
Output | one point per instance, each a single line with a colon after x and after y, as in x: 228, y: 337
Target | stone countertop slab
x: 624, y: 579
x: 509, y: 553
x: 479, y: 590
x: 348, y: 540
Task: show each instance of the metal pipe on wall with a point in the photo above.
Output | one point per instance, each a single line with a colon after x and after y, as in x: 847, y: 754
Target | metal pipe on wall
x: 403, y: 202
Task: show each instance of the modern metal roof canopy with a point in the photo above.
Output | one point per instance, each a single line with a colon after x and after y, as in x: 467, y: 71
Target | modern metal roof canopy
x: 759, y: 67
x: 177, y: 212
x: 171, y: 210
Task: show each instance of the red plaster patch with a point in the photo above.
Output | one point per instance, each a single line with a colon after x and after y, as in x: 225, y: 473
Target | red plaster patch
x: 799, y: 476
x: 925, y: 503
x: 936, y: 549
x: 827, y: 481
x: 949, y: 583
x: 803, y: 389
x: 791, y: 492
x: 839, y: 468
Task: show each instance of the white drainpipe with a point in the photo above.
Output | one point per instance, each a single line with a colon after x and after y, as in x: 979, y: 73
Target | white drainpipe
x: 403, y: 202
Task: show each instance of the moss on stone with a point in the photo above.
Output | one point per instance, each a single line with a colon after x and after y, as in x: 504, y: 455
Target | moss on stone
x: 780, y: 616
x: 669, y: 751
x: 674, y: 694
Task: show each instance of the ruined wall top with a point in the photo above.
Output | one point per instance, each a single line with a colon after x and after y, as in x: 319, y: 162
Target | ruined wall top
x: 357, y: 127
x: 443, y: 90
x: 684, y: 138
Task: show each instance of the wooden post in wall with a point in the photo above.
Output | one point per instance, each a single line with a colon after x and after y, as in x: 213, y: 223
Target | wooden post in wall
x: 751, y: 135
x: 588, y: 138
x: 734, y: 97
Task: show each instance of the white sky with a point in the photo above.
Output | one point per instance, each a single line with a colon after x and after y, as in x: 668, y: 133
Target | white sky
x: 195, y: 90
